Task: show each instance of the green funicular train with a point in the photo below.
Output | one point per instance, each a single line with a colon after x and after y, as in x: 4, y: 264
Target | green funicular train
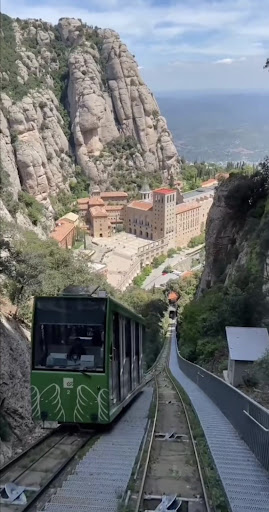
x: 86, y: 357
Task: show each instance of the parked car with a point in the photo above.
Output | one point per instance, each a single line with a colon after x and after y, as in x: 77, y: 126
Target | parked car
x: 177, y: 272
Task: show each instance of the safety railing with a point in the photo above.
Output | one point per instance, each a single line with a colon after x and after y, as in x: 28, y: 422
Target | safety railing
x: 249, y: 419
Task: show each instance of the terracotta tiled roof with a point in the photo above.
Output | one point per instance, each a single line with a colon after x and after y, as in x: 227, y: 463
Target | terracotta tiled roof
x: 164, y: 190
x: 83, y: 200
x: 185, y: 207
x: 209, y: 183
x: 83, y: 206
x: 116, y: 207
x: 98, y: 211
x: 70, y: 217
x: 118, y: 193
x: 173, y: 296
x: 141, y: 205
x: 61, y: 230
x: 188, y: 273
x: 95, y: 201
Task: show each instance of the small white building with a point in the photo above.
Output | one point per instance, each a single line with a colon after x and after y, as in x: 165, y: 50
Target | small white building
x: 246, y: 345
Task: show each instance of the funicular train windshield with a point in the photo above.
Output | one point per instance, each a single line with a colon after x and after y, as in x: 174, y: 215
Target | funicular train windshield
x: 69, y: 334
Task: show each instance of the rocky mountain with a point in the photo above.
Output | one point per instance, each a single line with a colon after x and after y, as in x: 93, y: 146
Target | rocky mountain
x: 237, y: 239
x: 17, y: 429
x: 234, y: 286
x: 72, y: 94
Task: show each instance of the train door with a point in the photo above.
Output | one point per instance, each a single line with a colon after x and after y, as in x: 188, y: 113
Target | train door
x: 115, y: 360
x: 128, y: 355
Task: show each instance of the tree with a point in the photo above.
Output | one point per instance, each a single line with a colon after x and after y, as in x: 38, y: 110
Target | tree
x: 168, y: 269
x: 171, y: 180
x: 40, y: 267
x: 152, y: 307
x: 197, y: 240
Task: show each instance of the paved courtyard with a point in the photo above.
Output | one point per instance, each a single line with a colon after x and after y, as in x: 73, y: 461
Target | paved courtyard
x: 123, y: 243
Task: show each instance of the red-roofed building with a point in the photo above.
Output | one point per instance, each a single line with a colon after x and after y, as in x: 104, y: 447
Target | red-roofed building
x: 164, y: 191
x: 212, y: 182
x: 112, y: 203
x: 116, y: 197
x: 64, y: 234
x: 99, y: 224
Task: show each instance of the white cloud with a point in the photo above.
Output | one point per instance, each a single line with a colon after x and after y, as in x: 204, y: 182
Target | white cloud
x: 224, y: 61
x: 228, y: 60
x: 168, y: 35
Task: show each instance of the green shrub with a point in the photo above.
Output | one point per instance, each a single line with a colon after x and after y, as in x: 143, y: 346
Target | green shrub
x: 168, y: 269
x: 171, y: 252
x: 158, y: 260
x: 197, y: 240
x: 152, y: 306
x: 64, y: 203
x: 33, y: 208
x: 5, y: 192
x: 139, y: 280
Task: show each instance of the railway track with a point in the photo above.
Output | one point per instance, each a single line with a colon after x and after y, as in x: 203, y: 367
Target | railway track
x: 35, y: 469
x: 170, y: 476
x: 161, y: 360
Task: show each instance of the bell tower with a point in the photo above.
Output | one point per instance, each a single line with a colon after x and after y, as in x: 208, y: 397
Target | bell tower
x: 146, y: 193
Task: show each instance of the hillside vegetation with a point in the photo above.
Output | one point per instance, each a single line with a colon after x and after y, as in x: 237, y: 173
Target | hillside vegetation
x: 234, y: 287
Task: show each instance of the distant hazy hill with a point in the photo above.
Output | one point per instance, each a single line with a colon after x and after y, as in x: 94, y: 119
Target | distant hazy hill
x: 219, y: 127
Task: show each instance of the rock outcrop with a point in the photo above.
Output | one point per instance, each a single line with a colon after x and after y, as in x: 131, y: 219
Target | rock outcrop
x: 69, y: 93
x: 17, y: 427
x: 235, y: 241
x: 40, y: 151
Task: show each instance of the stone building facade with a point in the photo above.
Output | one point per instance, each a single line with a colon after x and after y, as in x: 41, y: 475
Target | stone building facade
x: 166, y: 215
x: 163, y: 213
x: 102, y: 212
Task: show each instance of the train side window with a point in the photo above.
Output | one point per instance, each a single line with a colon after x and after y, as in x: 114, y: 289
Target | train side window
x: 136, y: 340
x: 128, y: 353
x: 116, y: 337
x: 128, y: 342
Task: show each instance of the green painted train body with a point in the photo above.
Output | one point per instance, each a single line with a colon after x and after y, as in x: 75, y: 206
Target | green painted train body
x: 86, y: 358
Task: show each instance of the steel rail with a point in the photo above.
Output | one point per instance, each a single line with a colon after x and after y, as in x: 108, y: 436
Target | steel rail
x: 208, y: 508
x: 140, y: 494
x: 16, y: 459
x: 54, y: 476
x: 37, y: 459
x: 141, y: 490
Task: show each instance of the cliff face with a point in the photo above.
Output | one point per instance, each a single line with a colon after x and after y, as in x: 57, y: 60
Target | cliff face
x: 17, y: 428
x: 70, y: 93
x: 237, y: 239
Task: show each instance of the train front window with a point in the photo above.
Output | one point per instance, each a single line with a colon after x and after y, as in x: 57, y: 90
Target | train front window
x: 69, y: 345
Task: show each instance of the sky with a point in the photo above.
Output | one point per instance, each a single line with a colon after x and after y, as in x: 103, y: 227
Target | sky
x: 179, y: 45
